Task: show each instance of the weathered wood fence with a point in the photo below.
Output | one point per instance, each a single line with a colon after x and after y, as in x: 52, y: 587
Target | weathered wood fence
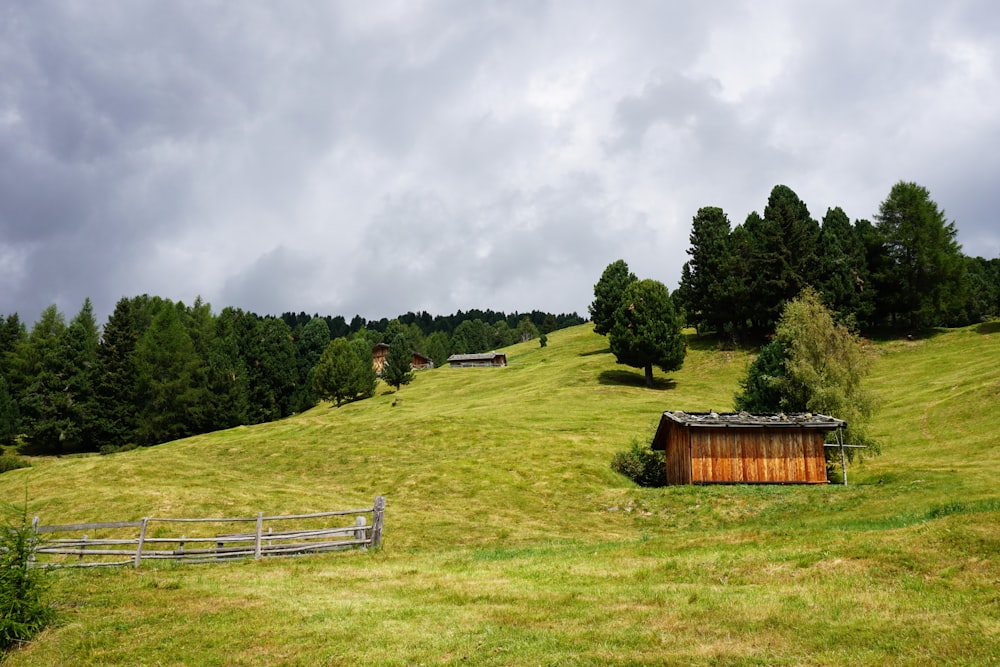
x: 131, y: 542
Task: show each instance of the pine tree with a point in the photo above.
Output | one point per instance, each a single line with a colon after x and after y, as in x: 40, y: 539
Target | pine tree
x: 785, y: 259
x: 437, y: 348
x: 309, y: 346
x: 924, y: 269
x: 647, y: 330
x: 608, y: 294
x: 843, y: 272
x: 365, y: 379
x: 166, y: 362
x: 9, y: 414
x: 396, y: 370
x: 116, y: 386
x: 709, y: 253
x: 338, y: 372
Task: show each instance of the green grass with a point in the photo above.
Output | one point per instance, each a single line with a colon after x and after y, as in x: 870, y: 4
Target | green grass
x: 509, y: 540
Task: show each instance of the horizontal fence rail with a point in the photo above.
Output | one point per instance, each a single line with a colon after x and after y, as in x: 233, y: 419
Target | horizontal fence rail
x: 116, y: 542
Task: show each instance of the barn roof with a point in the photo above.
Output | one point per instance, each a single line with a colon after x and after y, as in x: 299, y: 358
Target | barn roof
x: 747, y: 420
x: 742, y: 420
x: 483, y: 356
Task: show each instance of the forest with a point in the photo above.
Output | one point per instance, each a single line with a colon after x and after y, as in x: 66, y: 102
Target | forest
x: 159, y: 370
x: 901, y: 273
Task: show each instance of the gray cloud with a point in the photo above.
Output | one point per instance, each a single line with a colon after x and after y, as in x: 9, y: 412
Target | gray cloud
x: 342, y: 159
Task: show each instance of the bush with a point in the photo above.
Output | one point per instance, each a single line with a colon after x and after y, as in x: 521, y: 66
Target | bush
x: 642, y: 465
x: 23, y: 612
x: 105, y: 450
x: 11, y: 462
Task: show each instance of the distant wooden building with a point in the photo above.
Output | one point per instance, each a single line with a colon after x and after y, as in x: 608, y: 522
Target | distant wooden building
x: 484, y: 359
x: 421, y: 362
x: 740, y: 448
x: 381, y: 351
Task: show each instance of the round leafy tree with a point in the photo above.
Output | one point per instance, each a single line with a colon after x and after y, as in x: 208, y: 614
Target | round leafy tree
x: 647, y: 329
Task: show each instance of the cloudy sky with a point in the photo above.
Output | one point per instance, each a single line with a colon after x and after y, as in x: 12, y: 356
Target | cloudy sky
x: 386, y: 156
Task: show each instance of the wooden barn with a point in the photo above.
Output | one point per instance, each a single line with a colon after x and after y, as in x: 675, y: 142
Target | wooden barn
x: 484, y: 359
x: 740, y: 448
x: 381, y: 351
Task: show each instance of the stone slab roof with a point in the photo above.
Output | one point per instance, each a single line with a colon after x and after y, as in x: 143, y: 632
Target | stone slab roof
x: 747, y: 420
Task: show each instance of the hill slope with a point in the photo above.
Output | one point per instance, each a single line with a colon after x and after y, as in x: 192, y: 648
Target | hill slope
x: 509, y: 540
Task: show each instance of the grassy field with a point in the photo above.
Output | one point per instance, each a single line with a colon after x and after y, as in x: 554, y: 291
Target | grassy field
x: 509, y: 541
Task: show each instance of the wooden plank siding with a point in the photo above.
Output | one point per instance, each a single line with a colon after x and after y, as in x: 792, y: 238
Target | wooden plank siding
x: 741, y: 456
x: 748, y: 450
x: 679, y: 460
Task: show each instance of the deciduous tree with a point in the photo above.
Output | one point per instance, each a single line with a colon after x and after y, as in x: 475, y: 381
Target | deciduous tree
x: 813, y: 365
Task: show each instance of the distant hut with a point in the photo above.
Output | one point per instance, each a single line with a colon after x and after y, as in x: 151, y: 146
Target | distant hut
x: 740, y: 448
x: 381, y: 351
x: 483, y: 360
x: 379, y: 354
x: 421, y: 362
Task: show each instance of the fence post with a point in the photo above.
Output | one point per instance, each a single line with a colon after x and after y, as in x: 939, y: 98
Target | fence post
x: 83, y: 546
x: 843, y: 458
x: 378, y: 514
x: 34, y: 540
x: 359, y: 534
x: 142, y: 538
x: 260, y: 527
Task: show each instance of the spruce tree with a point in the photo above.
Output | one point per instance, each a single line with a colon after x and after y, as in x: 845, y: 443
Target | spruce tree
x: 396, y: 370
x: 9, y: 414
x: 785, y: 259
x: 707, y: 267
x: 117, y: 383
x: 843, y: 272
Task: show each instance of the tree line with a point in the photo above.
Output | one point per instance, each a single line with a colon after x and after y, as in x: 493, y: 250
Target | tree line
x: 903, y: 271
x: 159, y: 370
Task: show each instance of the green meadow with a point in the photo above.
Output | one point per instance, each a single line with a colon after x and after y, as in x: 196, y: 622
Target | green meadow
x: 509, y: 541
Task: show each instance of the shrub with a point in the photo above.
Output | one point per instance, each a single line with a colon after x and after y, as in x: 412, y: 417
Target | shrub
x: 105, y: 450
x: 11, y: 462
x: 642, y: 465
x: 23, y: 611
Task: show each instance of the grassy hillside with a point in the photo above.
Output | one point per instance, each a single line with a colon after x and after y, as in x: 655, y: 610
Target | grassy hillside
x: 509, y: 540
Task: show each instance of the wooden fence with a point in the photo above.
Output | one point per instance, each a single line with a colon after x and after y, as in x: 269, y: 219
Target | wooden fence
x: 116, y: 543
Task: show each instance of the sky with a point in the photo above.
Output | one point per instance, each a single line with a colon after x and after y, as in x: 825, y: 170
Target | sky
x: 381, y: 157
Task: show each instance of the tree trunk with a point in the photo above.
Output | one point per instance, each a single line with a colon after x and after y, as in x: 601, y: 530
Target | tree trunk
x: 649, y: 375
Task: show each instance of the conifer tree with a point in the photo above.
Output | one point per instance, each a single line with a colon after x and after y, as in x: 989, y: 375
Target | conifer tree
x: 843, y: 273
x: 311, y: 342
x: 608, y: 295
x: 166, y: 362
x: 785, y: 254
x: 706, y: 270
x: 647, y: 330
x: 396, y: 370
x: 338, y: 372
x: 116, y: 386
x: 924, y: 268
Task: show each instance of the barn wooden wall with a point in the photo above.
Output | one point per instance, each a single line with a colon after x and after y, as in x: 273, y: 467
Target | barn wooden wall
x: 746, y: 455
